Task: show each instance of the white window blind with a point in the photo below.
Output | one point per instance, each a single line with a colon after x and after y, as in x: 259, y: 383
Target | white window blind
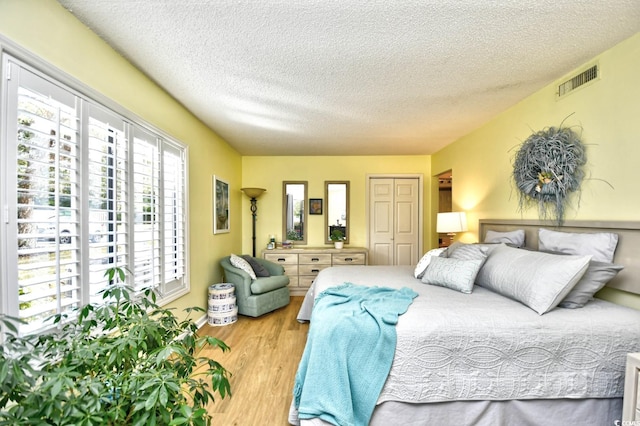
x: 86, y: 189
x: 46, y: 188
x: 107, y: 196
x: 174, y: 218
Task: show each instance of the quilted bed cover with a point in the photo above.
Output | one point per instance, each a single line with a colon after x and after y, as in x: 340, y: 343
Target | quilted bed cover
x: 482, y: 346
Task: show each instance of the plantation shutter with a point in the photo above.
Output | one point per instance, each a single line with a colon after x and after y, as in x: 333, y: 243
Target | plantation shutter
x: 174, y: 165
x: 107, y: 196
x: 45, y: 186
x: 84, y: 189
x: 146, y: 188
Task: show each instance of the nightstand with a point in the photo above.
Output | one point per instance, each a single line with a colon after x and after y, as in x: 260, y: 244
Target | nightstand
x: 631, y: 403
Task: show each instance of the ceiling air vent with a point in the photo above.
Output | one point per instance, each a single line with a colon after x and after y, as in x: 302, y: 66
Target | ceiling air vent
x: 577, y: 81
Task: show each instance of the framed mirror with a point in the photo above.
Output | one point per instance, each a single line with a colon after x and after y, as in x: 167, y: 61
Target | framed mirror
x: 336, y: 194
x: 294, y: 212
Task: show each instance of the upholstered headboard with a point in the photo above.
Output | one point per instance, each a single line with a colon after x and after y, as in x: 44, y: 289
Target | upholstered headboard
x: 627, y: 253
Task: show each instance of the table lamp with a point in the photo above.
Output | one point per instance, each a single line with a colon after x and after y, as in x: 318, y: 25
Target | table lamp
x: 451, y: 222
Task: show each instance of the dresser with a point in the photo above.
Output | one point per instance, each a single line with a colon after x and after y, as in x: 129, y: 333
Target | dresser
x: 302, y: 265
x: 631, y: 403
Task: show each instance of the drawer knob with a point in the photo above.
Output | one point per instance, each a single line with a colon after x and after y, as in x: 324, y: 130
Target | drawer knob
x: 315, y: 259
x: 281, y: 259
x: 348, y: 259
x: 315, y: 270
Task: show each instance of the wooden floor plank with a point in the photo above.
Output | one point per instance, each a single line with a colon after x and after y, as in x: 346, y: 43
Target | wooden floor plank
x: 263, y: 361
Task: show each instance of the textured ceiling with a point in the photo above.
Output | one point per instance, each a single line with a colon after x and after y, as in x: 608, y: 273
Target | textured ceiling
x: 342, y: 77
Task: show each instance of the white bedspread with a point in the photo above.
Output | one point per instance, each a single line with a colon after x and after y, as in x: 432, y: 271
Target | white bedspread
x: 483, y: 346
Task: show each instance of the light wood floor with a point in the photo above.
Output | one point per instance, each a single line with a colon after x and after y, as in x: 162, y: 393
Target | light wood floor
x: 264, y: 356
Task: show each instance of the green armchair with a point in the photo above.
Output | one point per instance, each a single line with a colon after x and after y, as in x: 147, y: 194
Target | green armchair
x: 259, y: 296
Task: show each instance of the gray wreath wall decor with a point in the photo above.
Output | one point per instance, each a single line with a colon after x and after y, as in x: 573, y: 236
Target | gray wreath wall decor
x: 547, y: 168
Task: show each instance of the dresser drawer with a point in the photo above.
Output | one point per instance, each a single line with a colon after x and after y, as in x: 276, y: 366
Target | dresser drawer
x: 348, y: 258
x: 314, y: 259
x: 311, y: 269
x: 282, y: 258
x: 290, y: 270
x: 305, y: 281
x: 293, y: 282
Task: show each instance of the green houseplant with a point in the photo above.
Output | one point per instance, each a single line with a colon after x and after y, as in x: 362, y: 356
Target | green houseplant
x: 124, y: 361
x: 337, y: 236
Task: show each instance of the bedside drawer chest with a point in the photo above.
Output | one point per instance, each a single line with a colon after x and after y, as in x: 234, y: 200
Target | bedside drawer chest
x: 302, y: 265
x: 631, y: 403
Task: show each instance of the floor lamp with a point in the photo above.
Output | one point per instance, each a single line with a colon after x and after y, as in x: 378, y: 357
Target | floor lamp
x: 253, y: 194
x: 451, y: 222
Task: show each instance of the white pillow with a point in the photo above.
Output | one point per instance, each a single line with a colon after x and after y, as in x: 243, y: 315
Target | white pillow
x: 513, y: 238
x: 424, y: 262
x: 456, y: 274
x: 538, y: 280
x: 600, y: 245
x: 240, y: 263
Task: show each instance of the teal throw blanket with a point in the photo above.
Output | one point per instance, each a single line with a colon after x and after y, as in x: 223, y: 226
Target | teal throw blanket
x: 349, y: 352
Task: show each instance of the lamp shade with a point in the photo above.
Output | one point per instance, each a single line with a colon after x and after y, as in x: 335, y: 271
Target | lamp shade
x: 253, y: 192
x: 451, y: 222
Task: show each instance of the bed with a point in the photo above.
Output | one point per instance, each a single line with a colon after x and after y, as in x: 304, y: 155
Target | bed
x: 486, y: 359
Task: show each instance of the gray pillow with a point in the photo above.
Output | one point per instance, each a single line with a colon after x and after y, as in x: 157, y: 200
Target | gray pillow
x: 538, y: 280
x: 447, y: 252
x: 600, y: 245
x: 512, y: 238
x: 257, y: 267
x: 470, y: 252
x: 455, y: 274
x: 597, y: 276
x: 464, y: 251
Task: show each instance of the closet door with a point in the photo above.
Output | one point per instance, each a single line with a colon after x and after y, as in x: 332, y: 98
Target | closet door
x: 394, y: 208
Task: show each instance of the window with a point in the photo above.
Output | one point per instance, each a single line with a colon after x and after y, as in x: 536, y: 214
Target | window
x: 84, y: 189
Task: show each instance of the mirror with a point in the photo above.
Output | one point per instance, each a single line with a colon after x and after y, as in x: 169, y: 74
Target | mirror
x: 294, y: 212
x: 336, y: 194
x: 444, y: 202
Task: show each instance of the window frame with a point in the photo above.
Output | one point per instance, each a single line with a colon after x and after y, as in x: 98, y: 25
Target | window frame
x: 14, y: 54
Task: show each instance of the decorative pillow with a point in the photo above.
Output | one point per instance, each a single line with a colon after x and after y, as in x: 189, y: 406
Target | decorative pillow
x: 597, y: 276
x: 512, y: 238
x: 456, y: 274
x: 240, y: 263
x: 470, y: 252
x: 538, y: 280
x: 600, y: 245
x: 447, y: 251
x: 257, y: 267
x: 424, y: 262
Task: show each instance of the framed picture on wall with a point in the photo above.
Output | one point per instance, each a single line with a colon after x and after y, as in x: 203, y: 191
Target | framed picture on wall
x: 220, y: 206
x: 315, y: 205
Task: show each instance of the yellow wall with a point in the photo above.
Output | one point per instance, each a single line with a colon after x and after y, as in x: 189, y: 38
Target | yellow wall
x: 608, y: 112
x: 269, y: 172
x: 47, y: 30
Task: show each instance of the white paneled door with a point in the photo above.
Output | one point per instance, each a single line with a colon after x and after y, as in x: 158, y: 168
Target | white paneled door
x: 394, y: 224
